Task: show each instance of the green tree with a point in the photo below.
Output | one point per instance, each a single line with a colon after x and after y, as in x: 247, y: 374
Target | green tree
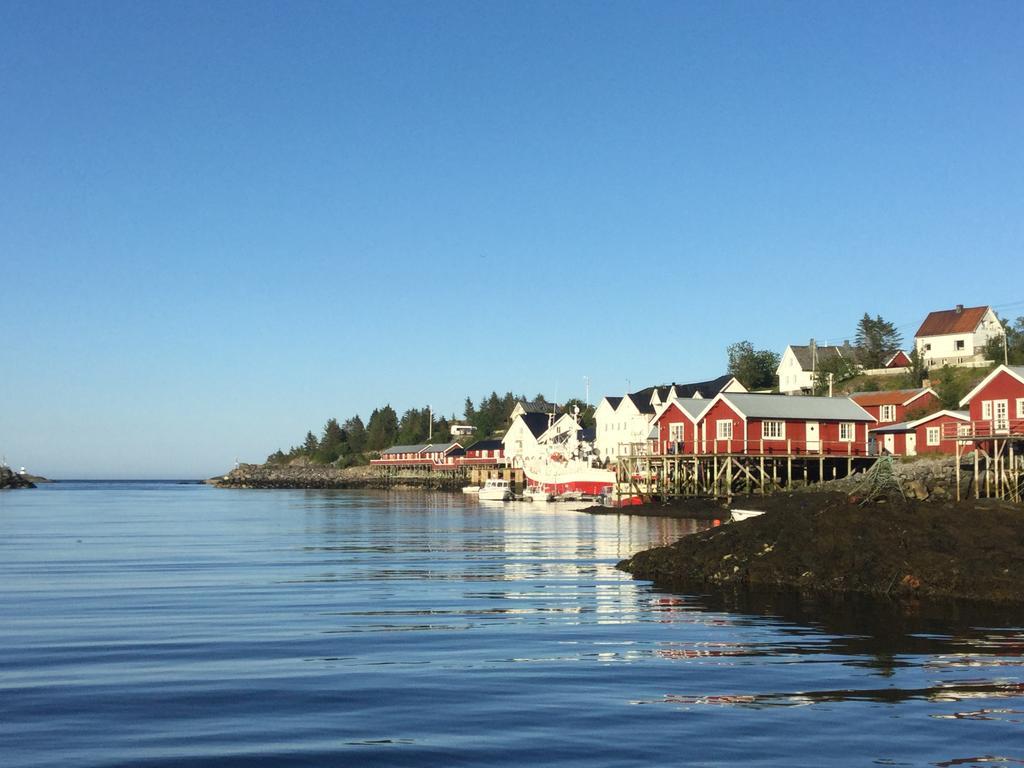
x: 835, y: 369
x: 918, y: 370
x: 950, y: 387
x: 310, y: 444
x: 1014, y: 350
x: 468, y: 411
x: 382, y: 428
x: 753, y: 368
x: 877, y: 340
x: 586, y: 417
x: 356, y: 431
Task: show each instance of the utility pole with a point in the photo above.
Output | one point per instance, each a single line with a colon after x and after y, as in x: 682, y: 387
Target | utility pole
x: 586, y: 385
x: 430, y: 424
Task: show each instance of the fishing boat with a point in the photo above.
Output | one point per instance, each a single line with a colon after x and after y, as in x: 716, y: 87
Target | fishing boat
x: 558, y: 475
x: 496, y: 490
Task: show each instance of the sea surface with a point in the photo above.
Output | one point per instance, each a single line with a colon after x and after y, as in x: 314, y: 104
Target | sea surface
x: 161, y: 624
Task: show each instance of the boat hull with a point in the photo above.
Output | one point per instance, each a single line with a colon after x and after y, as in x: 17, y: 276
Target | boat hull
x: 559, y: 478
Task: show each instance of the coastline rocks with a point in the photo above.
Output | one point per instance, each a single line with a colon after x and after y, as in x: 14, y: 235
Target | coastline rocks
x: 826, y: 544
x: 314, y: 476
x: 11, y: 479
x: 923, y: 478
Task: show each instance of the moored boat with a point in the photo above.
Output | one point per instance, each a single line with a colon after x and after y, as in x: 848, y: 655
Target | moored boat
x: 496, y: 490
x: 559, y: 476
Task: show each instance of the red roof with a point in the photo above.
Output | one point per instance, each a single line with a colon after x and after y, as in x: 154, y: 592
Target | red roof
x: 948, y: 321
x: 887, y: 397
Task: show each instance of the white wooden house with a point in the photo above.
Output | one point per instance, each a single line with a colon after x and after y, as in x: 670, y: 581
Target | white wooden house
x: 957, y: 336
x: 799, y: 363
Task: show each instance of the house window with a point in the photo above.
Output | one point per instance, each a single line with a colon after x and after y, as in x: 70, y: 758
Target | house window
x: 927, y: 347
x: 1020, y: 407
x: 773, y: 430
x: 846, y: 431
x: 959, y: 344
x: 931, y: 436
x: 963, y: 429
x: 675, y: 433
x: 986, y: 409
x: 888, y: 413
x: 724, y: 427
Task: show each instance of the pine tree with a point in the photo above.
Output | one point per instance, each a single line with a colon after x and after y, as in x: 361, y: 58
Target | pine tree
x: 877, y: 340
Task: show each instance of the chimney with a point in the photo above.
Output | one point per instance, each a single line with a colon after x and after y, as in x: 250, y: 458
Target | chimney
x: 959, y: 308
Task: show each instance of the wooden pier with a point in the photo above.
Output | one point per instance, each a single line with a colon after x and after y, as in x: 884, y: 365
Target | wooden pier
x: 724, y: 475
x: 996, y: 451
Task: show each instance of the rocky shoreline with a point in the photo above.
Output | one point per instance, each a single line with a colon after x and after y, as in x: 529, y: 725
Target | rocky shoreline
x: 829, y: 544
x: 313, y: 476
x: 11, y: 479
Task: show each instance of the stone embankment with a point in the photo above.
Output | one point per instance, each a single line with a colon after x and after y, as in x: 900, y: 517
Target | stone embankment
x: 309, y: 476
x: 11, y: 479
x: 922, y: 478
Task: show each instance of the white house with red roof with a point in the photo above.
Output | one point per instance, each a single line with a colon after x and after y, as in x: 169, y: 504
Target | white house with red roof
x: 956, y: 336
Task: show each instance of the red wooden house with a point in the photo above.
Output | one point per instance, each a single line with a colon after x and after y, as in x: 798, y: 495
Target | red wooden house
x: 928, y: 434
x: 735, y: 422
x: 996, y: 405
x: 899, y: 360
x: 898, y: 405
x: 484, y: 453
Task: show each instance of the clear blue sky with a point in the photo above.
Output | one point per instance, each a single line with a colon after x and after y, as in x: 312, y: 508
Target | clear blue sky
x: 223, y: 223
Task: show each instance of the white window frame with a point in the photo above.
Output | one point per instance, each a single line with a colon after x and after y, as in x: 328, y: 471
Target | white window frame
x: 1002, y: 421
x: 721, y: 427
x: 847, y: 431
x: 1020, y: 407
x: 959, y: 344
x: 887, y: 413
x: 676, y: 431
x: 932, y: 436
x: 986, y: 409
x: 776, y: 432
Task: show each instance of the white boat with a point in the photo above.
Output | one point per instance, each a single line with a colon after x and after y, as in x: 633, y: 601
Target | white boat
x: 743, y: 514
x: 536, y: 493
x: 496, y: 490
x: 471, y: 489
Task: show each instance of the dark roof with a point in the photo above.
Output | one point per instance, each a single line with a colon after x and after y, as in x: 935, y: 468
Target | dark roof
x: 486, y: 445
x: 588, y: 435
x: 537, y: 423
x: 537, y: 406
x: 961, y: 320
x: 803, y: 354
x: 614, y: 401
x: 707, y: 389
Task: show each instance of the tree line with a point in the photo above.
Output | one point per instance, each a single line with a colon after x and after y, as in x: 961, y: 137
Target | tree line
x: 351, y: 442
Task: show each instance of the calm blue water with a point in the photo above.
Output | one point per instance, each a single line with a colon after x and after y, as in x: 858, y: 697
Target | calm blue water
x: 181, y: 625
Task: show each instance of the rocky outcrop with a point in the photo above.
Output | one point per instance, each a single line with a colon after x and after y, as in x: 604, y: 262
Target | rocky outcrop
x: 922, y: 478
x: 313, y: 476
x: 11, y: 479
x: 827, y: 543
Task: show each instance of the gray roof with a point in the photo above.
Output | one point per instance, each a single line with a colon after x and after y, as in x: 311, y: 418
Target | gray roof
x: 789, y: 407
x: 440, y: 447
x: 803, y: 354
x: 691, y: 406
x: 537, y: 406
x: 903, y: 426
x: 403, y: 449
